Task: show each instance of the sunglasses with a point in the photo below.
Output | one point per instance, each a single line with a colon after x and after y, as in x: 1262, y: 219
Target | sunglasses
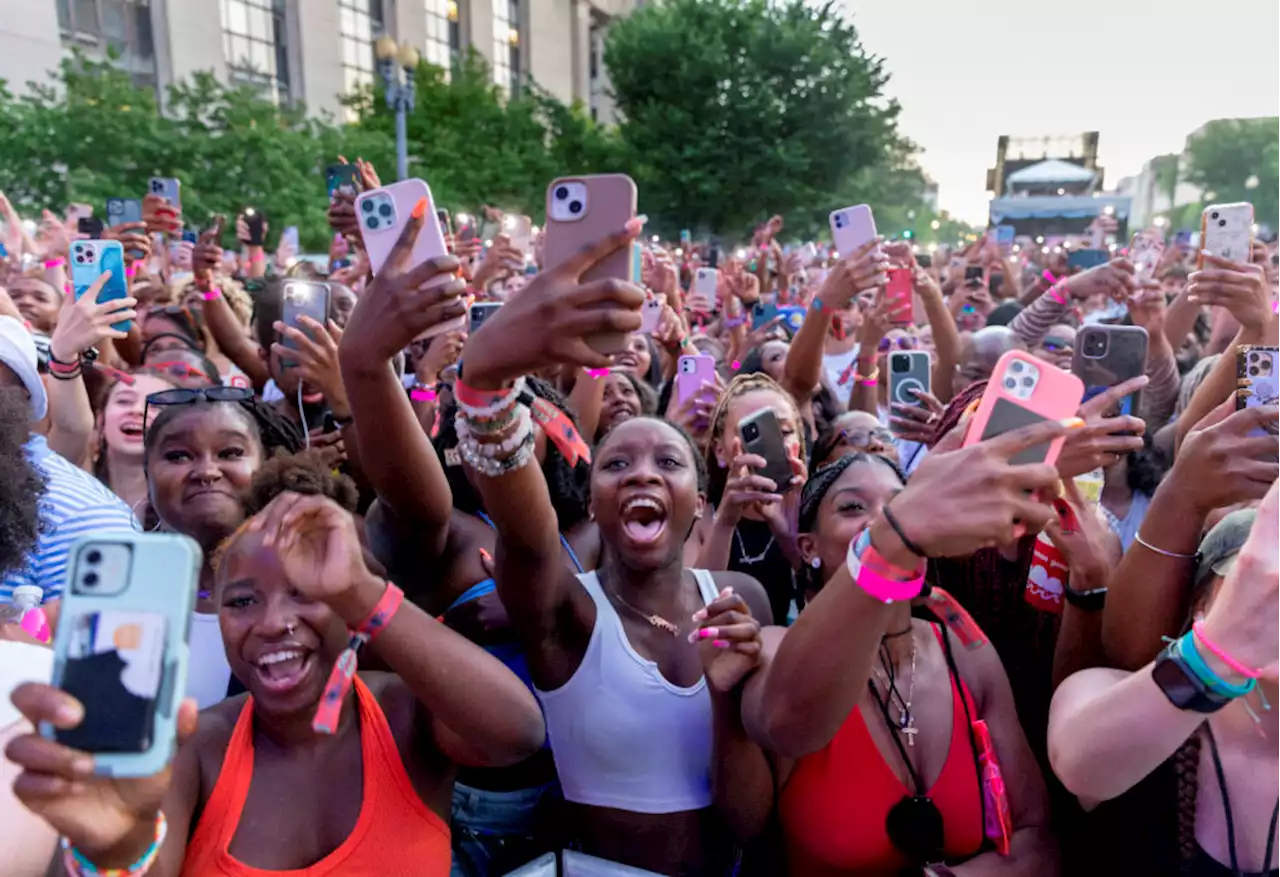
x: 176, y: 369
x: 1054, y: 346
x: 902, y: 342
x: 192, y: 395
x: 861, y: 438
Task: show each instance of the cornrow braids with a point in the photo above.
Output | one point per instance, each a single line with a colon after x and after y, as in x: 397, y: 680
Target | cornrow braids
x: 739, y: 386
x: 1186, y: 768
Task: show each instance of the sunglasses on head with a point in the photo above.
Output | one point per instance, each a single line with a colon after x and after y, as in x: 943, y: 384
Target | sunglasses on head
x: 175, y: 369
x: 860, y: 438
x: 902, y: 342
x: 192, y: 395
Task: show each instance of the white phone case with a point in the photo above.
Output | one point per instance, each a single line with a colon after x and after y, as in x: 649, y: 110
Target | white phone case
x: 851, y: 228
x: 702, y: 295
x: 1226, y: 231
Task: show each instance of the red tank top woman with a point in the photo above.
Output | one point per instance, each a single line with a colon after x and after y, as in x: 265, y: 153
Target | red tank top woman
x: 834, y: 806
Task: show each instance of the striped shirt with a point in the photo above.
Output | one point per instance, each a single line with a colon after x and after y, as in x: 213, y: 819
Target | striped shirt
x: 74, y: 504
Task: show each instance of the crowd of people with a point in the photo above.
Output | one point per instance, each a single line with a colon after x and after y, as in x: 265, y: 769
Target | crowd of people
x: 595, y: 628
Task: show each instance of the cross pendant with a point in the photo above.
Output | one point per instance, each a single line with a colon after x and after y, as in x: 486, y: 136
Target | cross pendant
x: 910, y: 731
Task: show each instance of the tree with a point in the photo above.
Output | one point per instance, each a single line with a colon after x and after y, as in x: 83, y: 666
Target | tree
x: 1228, y: 155
x: 735, y: 109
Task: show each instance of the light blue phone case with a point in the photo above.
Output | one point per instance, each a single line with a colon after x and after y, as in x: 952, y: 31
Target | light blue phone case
x: 107, y: 256
x: 161, y: 580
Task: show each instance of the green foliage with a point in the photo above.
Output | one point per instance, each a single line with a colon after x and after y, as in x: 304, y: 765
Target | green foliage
x: 736, y: 109
x: 1228, y: 153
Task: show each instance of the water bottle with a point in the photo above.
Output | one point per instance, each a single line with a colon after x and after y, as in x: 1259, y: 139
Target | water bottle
x: 25, y: 610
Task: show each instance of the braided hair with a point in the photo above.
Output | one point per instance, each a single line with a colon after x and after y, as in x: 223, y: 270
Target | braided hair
x: 739, y: 386
x: 815, y: 489
x: 569, y: 487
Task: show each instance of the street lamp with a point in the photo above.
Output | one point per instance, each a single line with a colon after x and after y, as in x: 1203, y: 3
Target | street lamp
x: 399, y: 92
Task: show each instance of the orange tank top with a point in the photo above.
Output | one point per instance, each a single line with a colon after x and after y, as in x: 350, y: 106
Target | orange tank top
x: 395, y: 835
x: 834, y: 805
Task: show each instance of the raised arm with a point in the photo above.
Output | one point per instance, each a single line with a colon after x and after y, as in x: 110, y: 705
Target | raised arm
x: 400, y: 304
x: 228, y: 333
x: 796, y: 702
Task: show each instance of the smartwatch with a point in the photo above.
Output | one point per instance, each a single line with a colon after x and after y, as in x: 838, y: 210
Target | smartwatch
x: 1184, y: 689
x: 1088, y: 601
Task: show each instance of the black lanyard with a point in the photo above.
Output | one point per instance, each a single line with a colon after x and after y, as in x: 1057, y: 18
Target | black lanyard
x: 1226, y: 810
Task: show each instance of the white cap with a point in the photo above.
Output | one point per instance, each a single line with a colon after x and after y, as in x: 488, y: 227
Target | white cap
x: 30, y: 595
x: 18, y: 352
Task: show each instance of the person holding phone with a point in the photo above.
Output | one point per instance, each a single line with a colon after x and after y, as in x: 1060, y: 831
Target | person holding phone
x: 291, y: 587
x: 625, y: 629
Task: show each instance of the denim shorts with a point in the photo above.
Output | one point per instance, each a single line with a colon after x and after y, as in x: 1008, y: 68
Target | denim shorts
x: 497, y: 832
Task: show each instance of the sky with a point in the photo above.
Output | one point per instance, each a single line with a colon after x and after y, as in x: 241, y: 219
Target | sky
x: 1142, y: 73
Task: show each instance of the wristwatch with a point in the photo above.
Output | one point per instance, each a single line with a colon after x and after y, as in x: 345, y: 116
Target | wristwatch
x: 1089, y: 601
x: 1183, y: 688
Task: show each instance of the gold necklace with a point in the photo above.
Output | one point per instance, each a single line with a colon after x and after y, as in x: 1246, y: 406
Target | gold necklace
x: 654, y: 619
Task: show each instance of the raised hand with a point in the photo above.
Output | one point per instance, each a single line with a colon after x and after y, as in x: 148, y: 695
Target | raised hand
x: 916, y: 423
x: 1222, y: 462
x: 1104, y: 439
x: 161, y: 217
x: 1241, y: 289
x: 728, y: 639
x: 1114, y: 279
x: 315, y: 352
x: 861, y: 270
x: 85, y: 322
x: 206, y: 256
x: 133, y: 239
x: 317, y: 544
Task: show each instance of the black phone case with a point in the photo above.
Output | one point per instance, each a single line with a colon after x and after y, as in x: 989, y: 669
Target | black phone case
x: 1126, y: 358
x: 770, y: 445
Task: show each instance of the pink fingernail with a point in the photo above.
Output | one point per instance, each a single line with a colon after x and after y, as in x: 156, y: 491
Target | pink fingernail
x: 709, y: 632
x: 721, y: 644
x: 700, y: 615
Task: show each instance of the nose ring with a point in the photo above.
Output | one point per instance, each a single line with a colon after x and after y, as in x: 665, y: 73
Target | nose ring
x: 289, y: 629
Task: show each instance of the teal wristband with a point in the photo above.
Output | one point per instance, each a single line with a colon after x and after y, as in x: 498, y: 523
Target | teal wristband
x: 1186, y: 649
x: 817, y: 303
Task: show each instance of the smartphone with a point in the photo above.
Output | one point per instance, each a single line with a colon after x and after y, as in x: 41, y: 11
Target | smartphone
x: 910, y: 372
x: 342, y: 176
x: 1144, y: 252
x: 851, y: 228
x: 382, y: 214
x: 691, y: 373
x: 1226, y: 230
x: 89, y: 226
x: 899, y: 291
x: 121, y: 647
x: 1024, y: 390
x: 924, y: 260
x: 519, y: 229
x: 974, y: 275
x: 582, y: 211
x: 762, y: 313
x: 290, y: 236
x: 762, y: 435
x: 1260, y: 366
x: 1004, y: 235
x: 702, y: 293
x: 309, y: 298
x: 651, y: 314
x: 1083, y: 260
x: 685, y: 238
x: 92, y: 258
x: 168, y: 188
x: 122, y: 210
x: 446, y: 221
x: 256, y: 223
x: 478, y: 313
x: 1106, y: 355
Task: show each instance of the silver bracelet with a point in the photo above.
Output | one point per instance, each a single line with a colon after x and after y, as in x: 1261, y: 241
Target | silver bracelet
x: 1137, y: 537
x: 491, y: 468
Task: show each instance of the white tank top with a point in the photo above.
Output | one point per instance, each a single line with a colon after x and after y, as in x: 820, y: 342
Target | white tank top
x: 622, y: 735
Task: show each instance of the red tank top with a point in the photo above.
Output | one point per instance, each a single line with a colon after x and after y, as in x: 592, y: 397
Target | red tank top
x: 395, y: 835
x: 834, y: 805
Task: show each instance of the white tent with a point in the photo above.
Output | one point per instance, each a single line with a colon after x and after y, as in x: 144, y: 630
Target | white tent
x: 1050, y: 171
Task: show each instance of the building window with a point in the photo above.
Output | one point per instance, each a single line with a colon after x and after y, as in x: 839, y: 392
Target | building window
x: 121, y: 25
x: 361, y: 22
x: 506, y: 45
x: 253, y: 41
x: 595, y: 77
x: 444, y: 34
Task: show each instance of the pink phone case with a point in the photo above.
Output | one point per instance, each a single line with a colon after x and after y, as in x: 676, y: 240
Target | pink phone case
x: 1056, y: 395
x: 691, y: 373
x: 852, y: 227
x: 898, y: 291
x: 605, y: 203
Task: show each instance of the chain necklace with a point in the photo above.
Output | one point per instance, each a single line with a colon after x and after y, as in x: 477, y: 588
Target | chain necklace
x: 653, y: 618
x: 906, y: 722
x: 742, y: 549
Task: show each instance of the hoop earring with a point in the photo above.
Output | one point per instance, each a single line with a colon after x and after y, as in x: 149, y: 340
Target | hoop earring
x: 138, y: 520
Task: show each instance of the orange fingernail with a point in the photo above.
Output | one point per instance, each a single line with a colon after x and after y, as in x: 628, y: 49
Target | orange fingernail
x: 973, y: 406
x: 419, y: 209
x: 484, y: 555
x: 1073, y: 423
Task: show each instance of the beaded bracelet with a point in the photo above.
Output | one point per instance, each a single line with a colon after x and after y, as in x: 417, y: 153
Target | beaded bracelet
x: 1221, y: 654
x: 77, y: 865
x: 479, y: 404
x: 505, y: 446
x: 344, y: 670
x: 493, y: 468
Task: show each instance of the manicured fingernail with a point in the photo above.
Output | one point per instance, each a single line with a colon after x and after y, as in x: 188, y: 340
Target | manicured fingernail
x: 721, y: 644
x: 700, y: 615
x: 419, y: 209
x: 69, y: 713
x: 1072, y: 423
x: 709, y: 632
x: 727, y: 591
x: 82, y: 765
x: 486, y: 556
x: 973, y: 406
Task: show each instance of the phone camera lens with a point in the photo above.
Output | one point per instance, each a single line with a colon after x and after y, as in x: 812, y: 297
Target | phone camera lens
x: 1010, y: 384
x: 1213, y: 215
x: 575, y: 206
x: 901, y: 365
x: 93, y: 558
x: 1253, y: 372
x: 562, y: 192
x: 372, y: 222
x: 366, y: 206
x: 1015, y: 367
x: 90, y: 579
x: 385, y: 210
x: 751, y: 432
x: 1222, y: 223
x: 1028, y: 381
x: 839, y: 220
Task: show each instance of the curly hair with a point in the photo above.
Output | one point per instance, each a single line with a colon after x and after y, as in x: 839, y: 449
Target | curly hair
x: 569, y: 486
x: 739, y: 386
x: 21, y: 484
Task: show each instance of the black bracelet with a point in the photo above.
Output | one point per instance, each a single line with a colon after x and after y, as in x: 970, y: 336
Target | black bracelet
x: 897, y: 528
x: 71, y: 362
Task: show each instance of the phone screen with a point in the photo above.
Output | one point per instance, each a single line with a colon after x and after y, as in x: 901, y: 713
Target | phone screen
x: 1006, y: 416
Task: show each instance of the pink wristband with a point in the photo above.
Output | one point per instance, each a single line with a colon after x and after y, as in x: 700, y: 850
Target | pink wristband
x: 870, y: 382
x: 735, y: 365
x: 257, y: 257
x: 211, y: 294
x: 424, y: 394
x: 130, y: 271
x: 54, y: 263
x: 1047, y: 275
x: 598, y: 372
x: 1055, y: 294
x: 1198, y: 630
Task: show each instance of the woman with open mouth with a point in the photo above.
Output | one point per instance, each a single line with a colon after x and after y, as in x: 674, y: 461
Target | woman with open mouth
x: 292, y: 586
x: 612, y: 654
